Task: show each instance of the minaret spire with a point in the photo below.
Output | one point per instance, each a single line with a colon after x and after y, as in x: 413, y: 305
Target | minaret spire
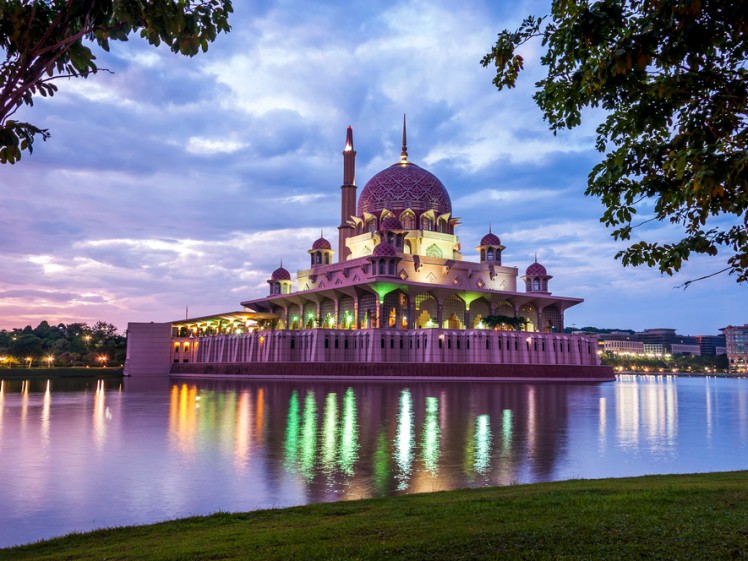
x: 347, y: 196
x: 404, y: 153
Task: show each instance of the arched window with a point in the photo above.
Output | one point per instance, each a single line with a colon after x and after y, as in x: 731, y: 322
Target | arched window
x: 490, y: 254
x: 371, y: 225
x: 482, y: 254
x: 327, y: 258
x: 434, y: 251
x: 443, y: 226
x: 399, y: 241
x: 427, y: 223
x: 408, y: 220
x: 390, y: 238
x: 319, y: 257
x: 277, y: 288
x: 382, y: 265
x: 392, y: 267
x: 536, y: 285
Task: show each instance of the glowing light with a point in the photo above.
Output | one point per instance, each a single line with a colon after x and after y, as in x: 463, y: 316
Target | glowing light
x: 404, y: 440
x: 329, y: 432
x: 506, y: 429
x: 482, y: 443
x: 309, y: 436
x: 292, y: 432
x: 348, y: 434
x: 431, y: 436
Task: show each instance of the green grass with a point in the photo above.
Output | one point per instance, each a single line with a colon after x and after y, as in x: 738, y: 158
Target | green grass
x: 60, y: 372
x: 701, y: 516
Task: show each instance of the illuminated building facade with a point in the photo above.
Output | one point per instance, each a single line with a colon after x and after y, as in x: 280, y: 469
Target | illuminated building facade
x: 399, y: 299
x: 736, y: 339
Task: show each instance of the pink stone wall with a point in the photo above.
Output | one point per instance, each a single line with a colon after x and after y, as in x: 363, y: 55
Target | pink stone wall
x: 383, y: 346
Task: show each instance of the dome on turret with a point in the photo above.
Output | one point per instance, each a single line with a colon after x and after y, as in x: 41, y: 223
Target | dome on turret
x: 404, y: 186
x: 391, y: 223
x: 536, y: 270
x: 280, y: 274
x: 490, y: 239
x: 384, y: 249
x: 321, y: 243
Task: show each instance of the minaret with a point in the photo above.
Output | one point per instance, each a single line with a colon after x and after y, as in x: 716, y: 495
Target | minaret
x: 404, y: 153
x: 348, y: 196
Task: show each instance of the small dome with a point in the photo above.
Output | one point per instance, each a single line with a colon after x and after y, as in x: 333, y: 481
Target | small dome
x: 321, y: 243
x: 402, y: 186
x: 536, y: 270
x: 384, y: 249
x: 391, y: 223
x: 280, y: 274
x: 490, y: 239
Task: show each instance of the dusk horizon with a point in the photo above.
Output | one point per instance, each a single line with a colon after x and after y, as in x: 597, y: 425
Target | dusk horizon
x: 176, y: 185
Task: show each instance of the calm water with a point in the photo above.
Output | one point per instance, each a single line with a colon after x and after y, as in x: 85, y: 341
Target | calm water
x: 77, y: 455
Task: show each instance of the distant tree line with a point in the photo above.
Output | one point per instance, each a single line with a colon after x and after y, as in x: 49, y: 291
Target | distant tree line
x: 73, y: 344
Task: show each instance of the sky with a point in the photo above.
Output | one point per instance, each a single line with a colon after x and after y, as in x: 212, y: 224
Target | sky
x: 175, y: 184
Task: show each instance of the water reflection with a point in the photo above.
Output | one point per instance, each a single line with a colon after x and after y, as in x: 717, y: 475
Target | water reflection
x: 647, y: 411
x: 240, y: 445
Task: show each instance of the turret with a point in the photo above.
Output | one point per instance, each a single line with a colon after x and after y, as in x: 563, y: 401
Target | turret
x: 321, y: 252
x: 347, y: 196
x: 490, y: 248
x: 536, y: 278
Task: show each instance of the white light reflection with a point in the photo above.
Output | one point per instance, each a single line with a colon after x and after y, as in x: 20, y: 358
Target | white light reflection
x: 648, y: 413
x: 482, y: 444
x: 603, y: 425
x: 430, y: 439
x: 329, y: 433
x: 404, y: 440
x: 243, y: 434
x: 44, y: 428
x: 99, y: 415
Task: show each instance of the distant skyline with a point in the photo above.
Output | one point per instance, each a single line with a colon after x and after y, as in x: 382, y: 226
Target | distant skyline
x: 178, y: 182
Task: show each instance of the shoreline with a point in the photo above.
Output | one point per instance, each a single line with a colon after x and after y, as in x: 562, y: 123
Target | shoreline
x: 696, y: 516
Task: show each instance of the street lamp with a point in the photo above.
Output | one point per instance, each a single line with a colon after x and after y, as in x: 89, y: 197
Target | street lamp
x: 28, y: 361
x: 50, y: 359
x: 102, y: 359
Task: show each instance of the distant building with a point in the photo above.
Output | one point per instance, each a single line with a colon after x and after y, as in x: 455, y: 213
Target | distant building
x: 622, y: 347
x: 688, y: 350
x: 711, y: 344
x: 666, y: 338
x: 653, y: 349
x: 736, y: 338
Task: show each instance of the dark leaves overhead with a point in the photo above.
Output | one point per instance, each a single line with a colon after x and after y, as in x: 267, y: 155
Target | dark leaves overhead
x: 672, y: 76
x: 44, y: 40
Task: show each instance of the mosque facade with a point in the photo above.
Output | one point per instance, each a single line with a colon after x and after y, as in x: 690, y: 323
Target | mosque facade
x: 396, y: 298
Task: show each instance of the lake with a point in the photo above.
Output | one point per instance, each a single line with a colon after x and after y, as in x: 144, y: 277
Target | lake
x: 83, y: 454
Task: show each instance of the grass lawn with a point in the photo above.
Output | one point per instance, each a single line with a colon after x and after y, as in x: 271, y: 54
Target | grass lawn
x: 702, y: 516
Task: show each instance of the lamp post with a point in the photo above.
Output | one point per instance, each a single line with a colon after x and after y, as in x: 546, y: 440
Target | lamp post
x: 50, y: 359
x: 102, y: 360
x: 28, y: 361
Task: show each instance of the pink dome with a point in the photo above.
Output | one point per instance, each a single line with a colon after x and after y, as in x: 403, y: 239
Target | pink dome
x: 490, y: 239
x: 321, y: 243
x: 536, y: 270
x: 280, y: 274
x: 402, y: 186
x: 391, y: 223
x: 384, y: 249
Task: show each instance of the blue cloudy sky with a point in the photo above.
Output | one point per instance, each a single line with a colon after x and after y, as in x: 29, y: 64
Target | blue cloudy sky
x: 180, y: 182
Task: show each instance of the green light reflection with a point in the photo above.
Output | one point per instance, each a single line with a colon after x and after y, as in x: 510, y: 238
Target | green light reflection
x: 430, y: 439
x: 482, y: 443
x: 506, y: 430
x: 404, y: 439
x: 329, y: 432
x: 309, y: 436
x: 292, y: 432
x: 349, y: 434
x: 381, y: 464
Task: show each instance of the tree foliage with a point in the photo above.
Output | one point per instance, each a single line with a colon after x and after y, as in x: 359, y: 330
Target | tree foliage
x: 69, y: 345
x: 518, y: 323
x: 672, y: 78
x: 45, y: 40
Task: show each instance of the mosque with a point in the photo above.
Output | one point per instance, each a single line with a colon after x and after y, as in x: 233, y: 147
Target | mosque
x: 399, y: 301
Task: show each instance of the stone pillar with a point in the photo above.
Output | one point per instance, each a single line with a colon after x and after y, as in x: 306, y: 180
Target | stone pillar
x: 337, y: 313
x: 466, y: 318
x: 439, y: 314
x: 411, y: 313
x: 355, y: 312
x: 378, y: 315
